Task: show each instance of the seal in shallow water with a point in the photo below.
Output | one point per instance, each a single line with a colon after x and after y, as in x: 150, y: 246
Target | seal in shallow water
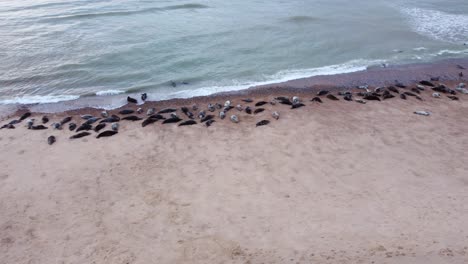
x: 131, y: 100
x: 144, y: 96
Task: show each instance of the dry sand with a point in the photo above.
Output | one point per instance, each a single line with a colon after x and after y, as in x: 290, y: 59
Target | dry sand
x: 339, y: 182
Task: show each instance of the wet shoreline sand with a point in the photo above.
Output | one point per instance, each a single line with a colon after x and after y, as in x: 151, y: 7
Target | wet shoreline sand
x: 338, y: 182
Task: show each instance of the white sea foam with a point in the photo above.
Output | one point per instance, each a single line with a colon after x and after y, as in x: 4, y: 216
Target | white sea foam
x: 33, y: 99
x: 419, y: 49
x: 282, y: 76
x: 438, y: 25
x: 109, y: 92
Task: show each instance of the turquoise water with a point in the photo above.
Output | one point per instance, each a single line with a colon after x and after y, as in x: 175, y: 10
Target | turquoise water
x: 54, y: 50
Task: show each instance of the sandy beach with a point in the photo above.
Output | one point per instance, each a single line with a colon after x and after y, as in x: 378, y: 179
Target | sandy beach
x: 338, y: 182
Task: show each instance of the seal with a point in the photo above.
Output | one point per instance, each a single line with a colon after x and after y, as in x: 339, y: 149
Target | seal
x: 234, y: 119
x: 201, y: 114
x: 298, y: 105
x: 295, y: 100
x: 316, y: 99
x: 132, y: 118
x: 360, y: 101
x: 218, y: 106
x: 371, y: 97
x: 206, y: 118
x: 259, y: 110
x: 30, y: 123
x: 139, y: 110
x: 51, y: 140
x: 209, y: 122
x: 435, y: 79
x: 149, y: 121
x: 167, y: 110
x: 188, y: 123
x: 403, y: 96
x: 423, y: 113
x: 84, y: 126
x: 348, y: 97
x: 418, y: 89
x: 399, y: 84
x: 80, y: 135
x: 248, y: 110
x: 24, y: 116
x: 57, y: 126
x: 99, y: 127
x: 187, y: 112
x: 14, y: 122
x: 239, y: 107
x: 247, y: 100
x: 86, y: 117
x: 453, y: 97
x: 427, y: 83
x: 194, y: 107
x: 332, y: 97
x: 262, y: 123
x: 115, y: 126
x: 131, y: 100
x: 260, y: 103
x: 275, y: 115
x: 151, y: 111
x: 104, y: 114
x: 144, y: 96
x: 283, y: 100
x: 45, y: 119
x: 227, y: 108
x: 436, y: 95
x: 386, y: 96
x: 8, y: 126
x: 322, y: 92
x: 92, y: 120
x: 222, y: 114
x: 409, y: 94
x: 65, y: 120
x: 107, y: 133
x: 38, y: 127
x: 71, y: 126
x: 227, y: 103
x: 126, y: 111
x: 172, y: 120
x: 393, y: 89
x: 111, y: 119
x: 211, y: 107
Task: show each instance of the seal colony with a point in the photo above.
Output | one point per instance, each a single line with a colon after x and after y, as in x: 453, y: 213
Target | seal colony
x: 236, y: 110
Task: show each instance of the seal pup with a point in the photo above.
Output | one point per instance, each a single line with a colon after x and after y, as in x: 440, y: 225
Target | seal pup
x: 173, y: 115
x: 104, y: 114
x: 295, y: 100
x: 316, y: 99
x: 260, y: 103
x: 259, y: 110
x: 234, y: 119
x: 126, y: 111
x: 38, y: 127
x: 239, y: 107
x: 426, y: 83
x: 30, y: 123
x: 403, y: 96
x: 57, y: 126
x: 132, y: 118
x: 423, y: 113
x: 99, y: 127
x: 247, y: 100
x: 201, y: 114
x: 206, y: 118
x: 84, y: 126
x: 248, y: 110
x: 45, y: 119
x: 107, y: 133
x: 151, y: 111
x: 167, y: 110
x: 209, y: 122
x: 24, y: 116
x: 186, y: 111
x: 420, y: 87
x: 71, y: 126
x: 80, y: 135
x: 222, y: 114
x: 227, y: 103
x: 360, y: 101
x: 348, y: 97
x: 262, y: 123
x: 273, y: 102
x: 452, y: 97
x: 194, y: 107
x: 86, y: 117
x: 65, y: 120
x: 51, y: 140
x: 139, y: 110
x: 436, y: 95
x: 393, y: 89
x: 115, y: 126
x: 131, y: 100
x: 298, y: 105
x: 144, y: 96
x: 322, y: 92
x: 188, y: 123
x: 172, y: 120
x: 275, y: 115
x: 211, y: 107
x: 332, y: 97
x: 218, y: 106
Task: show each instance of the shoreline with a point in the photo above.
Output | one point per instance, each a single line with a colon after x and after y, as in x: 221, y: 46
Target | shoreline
x: 407, y: 74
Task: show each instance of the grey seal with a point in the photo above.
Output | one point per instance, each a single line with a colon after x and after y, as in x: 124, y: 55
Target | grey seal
x: 262, y: 123
x: 131, y: 100
x: 107, y: 133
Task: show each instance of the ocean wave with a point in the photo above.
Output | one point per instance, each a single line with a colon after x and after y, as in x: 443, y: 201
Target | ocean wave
x: 281, y: 76
x: 450, y: 52
x: 128, y: 13
x: 109, y: 92
x: 41, y: 99
x: 301, y: 19
x: 438, y: 25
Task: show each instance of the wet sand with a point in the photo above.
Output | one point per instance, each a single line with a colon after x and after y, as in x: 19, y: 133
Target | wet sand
x: 338, y: 182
